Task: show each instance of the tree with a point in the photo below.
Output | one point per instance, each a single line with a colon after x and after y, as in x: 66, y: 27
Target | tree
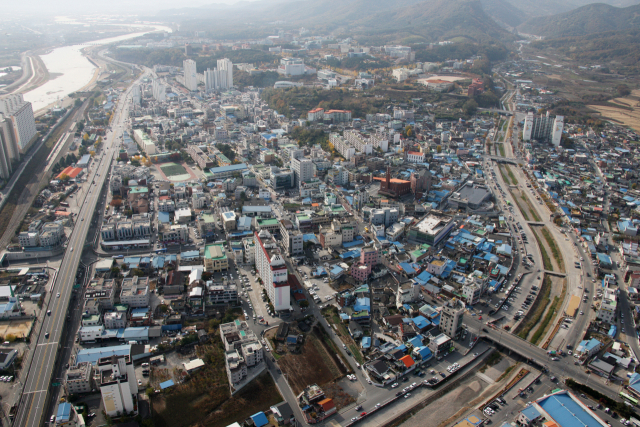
x: 470, y: 107
x: 116, y: 203
x: 623, y: 90
x: 85, y: 137
x: 115, y: 271
x: 64, y: 177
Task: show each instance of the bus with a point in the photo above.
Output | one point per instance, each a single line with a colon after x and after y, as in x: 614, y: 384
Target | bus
x: 117, y: 256
x: 161, y: 250
x: 628, y: 398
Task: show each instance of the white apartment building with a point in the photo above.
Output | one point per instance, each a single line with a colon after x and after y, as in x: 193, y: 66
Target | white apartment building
x: 118, y: 384
x: 159, y: 91
x: 342, y: 146
x: 249, y: 250
x: 20, y: 113
x: 9, y: 150
x: 166, y: 206
x: 272, y: 270
x: 451, y: 318
x: 115, y: 320
x: 415, y: 157
x: 358, y: 141
x: 608, y: 306
x: 28, y: 239
x: 302, y: 169
x: 135, y: 292
x: 222, y: 293
x: 190, y: 74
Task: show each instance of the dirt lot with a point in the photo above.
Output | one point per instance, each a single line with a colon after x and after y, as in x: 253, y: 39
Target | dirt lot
x: 314, y: 365
x: 18, y: 328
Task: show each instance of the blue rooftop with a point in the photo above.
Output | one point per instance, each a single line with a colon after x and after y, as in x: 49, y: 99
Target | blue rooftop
x: 230, y: 168
x: 259, y: 419
x: 567, y: 412
x: 166, y: 384
x: 92, y: 355
x: 64, y: 412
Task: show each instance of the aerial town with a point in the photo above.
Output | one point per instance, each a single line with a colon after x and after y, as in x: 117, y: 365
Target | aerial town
x: 443, y: 240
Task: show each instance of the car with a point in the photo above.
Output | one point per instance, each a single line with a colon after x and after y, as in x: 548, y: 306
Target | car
x: 394, y: 385
x: 46, y: 335
x: 398, y: 393
x: 48, y: 312
x: 363, y: 414
x: 58, y: 295
x: 378, y: 405
x: 354, y: 418
x: 582, y: 312
x: 406, y: 396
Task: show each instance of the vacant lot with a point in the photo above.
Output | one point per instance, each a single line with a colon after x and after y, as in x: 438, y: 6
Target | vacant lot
x: 314, y: 365
x: 204, y: 399
x: 17, y: 328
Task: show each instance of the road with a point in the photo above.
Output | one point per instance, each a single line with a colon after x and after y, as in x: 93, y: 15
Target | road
x: 35, y: 401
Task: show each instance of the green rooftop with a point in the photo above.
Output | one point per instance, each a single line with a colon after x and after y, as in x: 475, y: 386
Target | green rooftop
x: 207, y: 218
x: 138, y: 190
x: 214, y: 252
x: 267, y: 221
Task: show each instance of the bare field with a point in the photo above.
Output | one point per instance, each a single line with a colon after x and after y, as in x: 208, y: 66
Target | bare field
x: 622, y: 115
x: 314, y: 365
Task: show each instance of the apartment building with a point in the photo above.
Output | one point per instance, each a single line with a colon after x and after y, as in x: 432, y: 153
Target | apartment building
x: 178, y: 233
x: 544, y: 128
x: 20, y: 113
x: 79, y: 378
x: 292, y: 240
x: 135, y: 292
x: 200, y: 157
x: 451, y: 318
x: 272, y: 270
x: 190, y: 74
x: 29, y: 239
x: 118, y: 386
x: 222, y: 293
x: 249, y: 250
x: 9, y: 150
x: 242, y: 349
x: 115, y: 320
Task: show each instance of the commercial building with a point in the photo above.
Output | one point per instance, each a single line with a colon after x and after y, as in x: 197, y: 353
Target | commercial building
x: 431, y: 229
x: 272, y: 270
x: 226, y: 171
x: 215, y: 258
x: 543, y: 128
x: 561, y: 409
x: 302, y: 169
x: 222, y: 293
x: 293, y: 241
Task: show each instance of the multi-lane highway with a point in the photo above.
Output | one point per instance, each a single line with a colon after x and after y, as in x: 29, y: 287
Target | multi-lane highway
x: 37, y: 397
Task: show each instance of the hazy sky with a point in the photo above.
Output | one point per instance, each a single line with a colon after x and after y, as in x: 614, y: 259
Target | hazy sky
x: 80, y: 7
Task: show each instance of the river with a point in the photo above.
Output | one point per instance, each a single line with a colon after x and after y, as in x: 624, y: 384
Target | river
x: 70, y: 70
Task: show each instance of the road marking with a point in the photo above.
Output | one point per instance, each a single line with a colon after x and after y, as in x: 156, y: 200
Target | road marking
x: 48, y: 343
x: 34, y: 392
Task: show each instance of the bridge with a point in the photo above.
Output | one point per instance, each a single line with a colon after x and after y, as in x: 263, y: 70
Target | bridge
x: 499, y: 159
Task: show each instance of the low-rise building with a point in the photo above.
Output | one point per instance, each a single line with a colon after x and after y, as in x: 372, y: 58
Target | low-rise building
x: 135, y: 291
x: 79, y: 378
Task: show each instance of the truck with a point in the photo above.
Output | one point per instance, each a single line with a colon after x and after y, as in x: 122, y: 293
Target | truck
x: 65, y: 204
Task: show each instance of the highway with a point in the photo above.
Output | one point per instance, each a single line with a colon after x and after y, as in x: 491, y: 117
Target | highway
x: 48, y: 340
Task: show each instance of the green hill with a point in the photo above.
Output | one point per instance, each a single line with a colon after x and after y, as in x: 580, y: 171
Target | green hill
x: 589, y: 19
